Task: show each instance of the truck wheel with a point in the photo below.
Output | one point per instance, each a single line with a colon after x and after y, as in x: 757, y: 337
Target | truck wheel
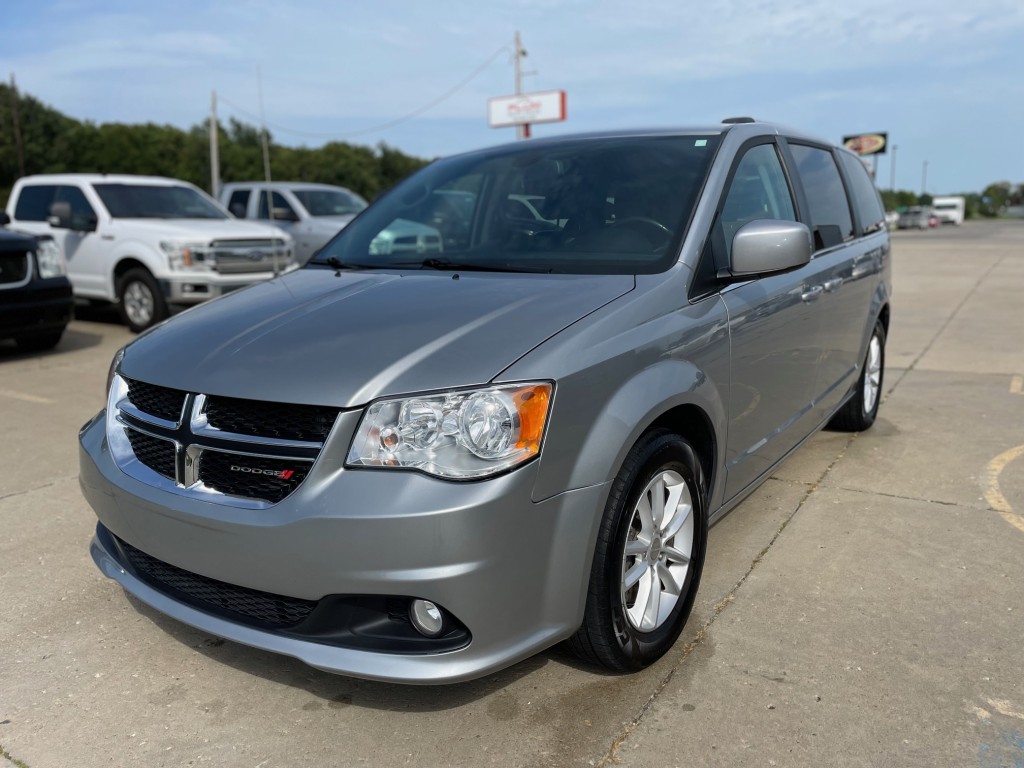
x: 649, y: 556
x: 139, y: 300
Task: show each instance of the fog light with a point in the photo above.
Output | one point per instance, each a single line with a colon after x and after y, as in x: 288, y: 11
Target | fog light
x: 426, y: 617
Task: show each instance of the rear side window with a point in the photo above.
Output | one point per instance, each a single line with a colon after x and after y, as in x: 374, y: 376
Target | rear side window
x: 866, y: 200
x: 830, y: 210
x: 34, y: 202
x: 239, y: 202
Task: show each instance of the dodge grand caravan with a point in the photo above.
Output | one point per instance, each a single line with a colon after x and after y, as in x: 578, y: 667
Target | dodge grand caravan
x: 422, y: 467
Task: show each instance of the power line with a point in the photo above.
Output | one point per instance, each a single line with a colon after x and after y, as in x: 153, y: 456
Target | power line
x: 383, y: 126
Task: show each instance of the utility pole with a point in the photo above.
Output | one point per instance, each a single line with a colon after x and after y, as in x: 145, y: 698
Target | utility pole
x: 892, y: 170
x: 924, y: 178
x: 266, y: 158
x: 214, y: 147
x: 522, y: 131
x: 16, y: 120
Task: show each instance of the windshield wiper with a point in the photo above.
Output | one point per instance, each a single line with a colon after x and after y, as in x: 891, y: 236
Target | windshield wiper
x: 449, y: 265
x: 338, y: 264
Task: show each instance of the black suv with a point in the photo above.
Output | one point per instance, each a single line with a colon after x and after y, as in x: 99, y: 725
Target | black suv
x: 35, y: 295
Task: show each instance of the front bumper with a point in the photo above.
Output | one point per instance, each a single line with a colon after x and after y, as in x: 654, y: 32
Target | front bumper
x: 41, y: 306
x: 514, y: 572
x: 196, y: 287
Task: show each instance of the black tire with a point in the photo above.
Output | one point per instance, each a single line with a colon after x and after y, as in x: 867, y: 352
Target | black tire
x: 608, y: 636
x: 39, y: 342
x: 858, y: 414
x: 139, y: 300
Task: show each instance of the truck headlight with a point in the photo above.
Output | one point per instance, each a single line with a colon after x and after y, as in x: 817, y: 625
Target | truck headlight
x: 459, y: 435
x: 50, y: 259
x: 186, y: 255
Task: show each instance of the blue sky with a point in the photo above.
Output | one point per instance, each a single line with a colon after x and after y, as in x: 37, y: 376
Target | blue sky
x: 945, y: 79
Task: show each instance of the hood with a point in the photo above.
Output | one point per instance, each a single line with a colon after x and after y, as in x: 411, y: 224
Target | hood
x: 207, y: 229
x: 311, y: 337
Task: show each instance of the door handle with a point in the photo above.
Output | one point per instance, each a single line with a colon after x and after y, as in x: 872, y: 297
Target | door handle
x: 833, y: 285
x: 812, y: 294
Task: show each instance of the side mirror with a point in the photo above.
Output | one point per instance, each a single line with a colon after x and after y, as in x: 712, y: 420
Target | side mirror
x: 769, y: 245
x: 4, y: 219
x: 284, y: 214
x: 60, y: 216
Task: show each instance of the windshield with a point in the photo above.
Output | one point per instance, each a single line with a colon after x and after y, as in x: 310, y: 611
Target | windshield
x: 599, y: 206
x: 329, y: 202
x: 157, y: 201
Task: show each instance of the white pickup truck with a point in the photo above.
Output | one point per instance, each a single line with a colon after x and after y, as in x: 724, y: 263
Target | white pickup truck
x: 311, y: 213
x: 146, y: 242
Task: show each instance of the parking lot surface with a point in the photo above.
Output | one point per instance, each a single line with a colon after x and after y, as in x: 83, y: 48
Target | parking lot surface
x: 863, y: 607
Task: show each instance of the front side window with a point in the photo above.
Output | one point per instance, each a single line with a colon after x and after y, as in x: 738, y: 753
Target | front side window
x: 82, y: 214
x: 281, y: 206
x: 157, y: 201
x: 758, y: 190
x: 616, y: 205
x: 831, y: 222
x: 34, y: 202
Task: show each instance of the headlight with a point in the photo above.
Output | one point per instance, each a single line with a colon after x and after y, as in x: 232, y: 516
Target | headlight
x: 458, y: 435
x: 50, y: 259
x: 186, y: 255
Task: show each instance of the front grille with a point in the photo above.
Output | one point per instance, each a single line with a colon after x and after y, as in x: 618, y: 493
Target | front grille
x: 240, y: 256
x: 251, y: 476
x: 269, y: 610
x: 163, y: 402
x: 278, y: 420
x: 155, y: 453
x: 13, y: 267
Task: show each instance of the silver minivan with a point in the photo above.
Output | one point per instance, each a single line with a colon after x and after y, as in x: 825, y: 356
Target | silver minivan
x: 423, y: 466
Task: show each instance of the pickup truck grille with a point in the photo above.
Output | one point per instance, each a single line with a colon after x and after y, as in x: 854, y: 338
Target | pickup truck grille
x: 242, y: 256
x: 245, y: 452
x: 13, y: 268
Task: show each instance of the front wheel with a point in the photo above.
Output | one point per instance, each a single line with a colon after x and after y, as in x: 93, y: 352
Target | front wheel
x: 139, y: 300
x: 649, y: 556
x: 861, y: 409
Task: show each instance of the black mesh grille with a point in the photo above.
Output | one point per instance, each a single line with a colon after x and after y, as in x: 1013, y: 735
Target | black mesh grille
x: 155, y: 453
x: 251, y: 477
x: 265, y: 608
x: 162, y: 402
x: 13, y: 267
x: 279, y: 420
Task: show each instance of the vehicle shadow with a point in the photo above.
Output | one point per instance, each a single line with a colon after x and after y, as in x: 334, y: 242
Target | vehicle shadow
x: 73, y: 340
x: 337, y: 691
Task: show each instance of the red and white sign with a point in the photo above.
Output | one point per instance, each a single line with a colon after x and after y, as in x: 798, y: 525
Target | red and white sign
x: 526, y: 109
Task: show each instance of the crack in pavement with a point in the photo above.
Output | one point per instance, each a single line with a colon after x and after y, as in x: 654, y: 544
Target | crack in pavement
x: 13, y: 760
x: 27, y: 491
x: 945, y: 325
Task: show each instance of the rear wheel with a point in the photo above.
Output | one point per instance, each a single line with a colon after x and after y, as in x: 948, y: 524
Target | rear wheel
x: 139, y: 300
x: 860, y: 411
x: 649, y: 556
